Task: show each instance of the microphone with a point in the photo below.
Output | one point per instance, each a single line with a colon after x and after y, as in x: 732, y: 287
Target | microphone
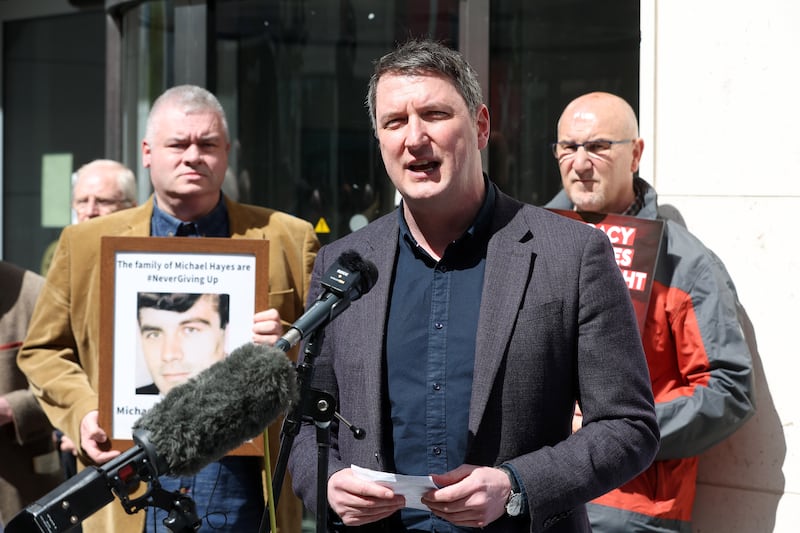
x: 195, y: 424
x: 228, y: 403
x: 349, y: 278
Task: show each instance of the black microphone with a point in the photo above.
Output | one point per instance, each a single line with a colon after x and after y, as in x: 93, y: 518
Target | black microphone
x: 196, y: 423
x: 349, y: 278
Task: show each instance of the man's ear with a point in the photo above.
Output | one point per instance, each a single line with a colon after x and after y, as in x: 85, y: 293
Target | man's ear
x: 483, y: 126
x: 146, y: 152
x: 638, y: 148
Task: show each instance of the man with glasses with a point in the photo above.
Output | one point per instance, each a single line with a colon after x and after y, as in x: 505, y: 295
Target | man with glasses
x: 101, y: 187
x: 701, y: 368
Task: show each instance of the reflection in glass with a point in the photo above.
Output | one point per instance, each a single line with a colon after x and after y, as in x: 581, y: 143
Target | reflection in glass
x: 293, y: 78
x: 543, y: 54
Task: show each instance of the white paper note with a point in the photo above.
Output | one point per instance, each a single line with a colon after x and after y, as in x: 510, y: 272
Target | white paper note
x: 411, y: 487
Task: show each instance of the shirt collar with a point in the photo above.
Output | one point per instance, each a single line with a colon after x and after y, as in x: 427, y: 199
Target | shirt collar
x: 639, y: 188
x: 214, y: 224
x: 478, y: 229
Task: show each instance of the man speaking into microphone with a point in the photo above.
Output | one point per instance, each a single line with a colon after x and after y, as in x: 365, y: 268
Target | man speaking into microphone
x: 488, y: 321
x: 185, y: 148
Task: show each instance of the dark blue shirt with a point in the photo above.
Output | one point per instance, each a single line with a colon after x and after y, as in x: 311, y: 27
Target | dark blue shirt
x: 228, y: 492
x: 430, y: 352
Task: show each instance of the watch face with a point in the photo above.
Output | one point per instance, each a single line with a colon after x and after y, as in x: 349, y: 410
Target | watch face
x: 514, y: 505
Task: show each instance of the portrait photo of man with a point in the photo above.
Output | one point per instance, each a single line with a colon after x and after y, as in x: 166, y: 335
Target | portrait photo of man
x: 180, y: 335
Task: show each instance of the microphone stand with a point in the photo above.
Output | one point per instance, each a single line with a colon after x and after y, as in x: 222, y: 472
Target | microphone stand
x: 94, y: 487
x: 316, y: 406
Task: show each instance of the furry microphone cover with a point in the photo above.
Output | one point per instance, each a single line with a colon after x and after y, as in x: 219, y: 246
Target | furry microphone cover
x: 227, y: 404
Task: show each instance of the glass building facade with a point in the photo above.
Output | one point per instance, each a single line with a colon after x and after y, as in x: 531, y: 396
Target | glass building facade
x: 292, y: 76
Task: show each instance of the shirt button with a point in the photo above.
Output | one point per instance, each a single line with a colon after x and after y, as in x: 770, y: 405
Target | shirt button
x: 438, y: 325
x: 437, y: 450
x: 437, y: 386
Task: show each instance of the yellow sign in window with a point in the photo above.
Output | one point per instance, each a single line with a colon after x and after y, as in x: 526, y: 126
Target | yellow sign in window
x: 322, y: 226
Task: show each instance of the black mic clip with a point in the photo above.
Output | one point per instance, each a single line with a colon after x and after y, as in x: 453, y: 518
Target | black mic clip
x: 182, y: 511
x: 320, y: 407
x: 94, y: 487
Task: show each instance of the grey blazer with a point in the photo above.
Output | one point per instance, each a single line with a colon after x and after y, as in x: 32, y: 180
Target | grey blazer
x: 556, y: 325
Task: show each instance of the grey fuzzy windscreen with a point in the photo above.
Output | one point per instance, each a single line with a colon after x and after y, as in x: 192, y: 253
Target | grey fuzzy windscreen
x: 227, y: 404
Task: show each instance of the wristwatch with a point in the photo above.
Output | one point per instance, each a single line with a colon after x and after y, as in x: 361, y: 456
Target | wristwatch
x: 514, y: 504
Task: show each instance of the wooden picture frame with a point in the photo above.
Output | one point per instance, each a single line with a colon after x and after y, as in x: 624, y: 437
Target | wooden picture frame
x: 133, y: 269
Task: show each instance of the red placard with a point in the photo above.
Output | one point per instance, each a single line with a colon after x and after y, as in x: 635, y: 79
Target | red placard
x: 636, y: 243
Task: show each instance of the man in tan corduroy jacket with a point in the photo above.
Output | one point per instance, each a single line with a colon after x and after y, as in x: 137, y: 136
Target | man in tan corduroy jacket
x: 185, y: 147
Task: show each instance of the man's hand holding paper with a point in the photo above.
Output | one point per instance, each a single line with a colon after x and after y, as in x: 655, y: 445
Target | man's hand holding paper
x: 360, y: 501
x: 410, y: 487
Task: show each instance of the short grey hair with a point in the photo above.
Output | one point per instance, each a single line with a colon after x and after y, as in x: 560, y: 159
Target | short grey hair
x: 421, y: 58
x: 190, y: 98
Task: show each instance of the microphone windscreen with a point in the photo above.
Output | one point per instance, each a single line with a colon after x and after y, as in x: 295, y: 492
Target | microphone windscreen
x: 352, y: 261
x: 228, y: 403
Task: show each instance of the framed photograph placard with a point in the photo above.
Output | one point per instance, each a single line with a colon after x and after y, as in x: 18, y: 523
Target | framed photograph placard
x: 171, y: 307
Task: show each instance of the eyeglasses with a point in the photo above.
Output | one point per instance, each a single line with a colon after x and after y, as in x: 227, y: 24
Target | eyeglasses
x: 81, y: 204
x: 596, y: 148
